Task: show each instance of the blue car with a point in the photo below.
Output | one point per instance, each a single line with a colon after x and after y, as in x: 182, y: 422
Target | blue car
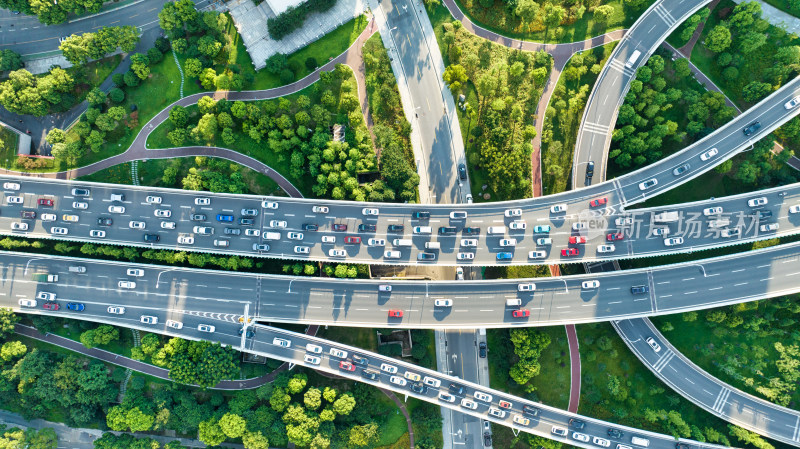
x: 541, y: 229
x: 75, y: 306
x: 225, y: 218
x: 504, y: 256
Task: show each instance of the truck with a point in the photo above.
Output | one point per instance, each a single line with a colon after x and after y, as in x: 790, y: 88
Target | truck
x: 44, y: 277
x: 666, y: 217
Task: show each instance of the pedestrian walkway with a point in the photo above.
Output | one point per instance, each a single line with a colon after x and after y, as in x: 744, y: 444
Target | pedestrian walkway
x: 574, y: 358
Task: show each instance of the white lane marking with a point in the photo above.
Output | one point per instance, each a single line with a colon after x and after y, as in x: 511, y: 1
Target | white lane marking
x: 737, y: 271
x: 715, y: 288
x: 742, y: 283
x: 615, y: 302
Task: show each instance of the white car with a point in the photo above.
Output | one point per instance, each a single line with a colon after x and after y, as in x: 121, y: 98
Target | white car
x: 116, y: 310
x: 135, y: 272
x: 313, y: 360
x: 712, y: 211
x: 186, y: 239
x: 397, y: 380
x: 162, y: 213
x: 151, y: 199
x: 249, y: 212
x: 136, y: 225
x: 465, y: 256
x: 97, y: 233
x: 672, y: 241
x: 656, y: 347
x: 447, y: 397
x: 443, y: 302
x: 328, y: 239
x: 458, y: 215
x: 391, y: 369
x: 497, y: 413
x: 729, y: 232
x: 17, y: 226
x: 14, y: 199
x: 624, y: 221
x: 391, y: 254
x: 513, y: 212
x: 755, y: 202
x: 369, y: 211
x: 540, y: 254
x: 544, y: 241
x: 46, y: 296
x: 602, y: 442
x: 281, y: 342
x: 274, y: 205
x: 376, y: 242
x: 794, y: 209
x: 80, y: 205
x: 11, y: 186
x: 385, y: 288
x: 528, y: 287
x: 482, y: 396
x: 148, y: 319
x: 517, y: 225
x: 222, y: 243
x: 606, y: 248
x: 792, y: 103
x: 174, y: 324
x: 294, y: 236
x: 577, y: 226
x: 588, y: 285
x: 126, y: 284
x: 252, y: 232
x: 203, y: 230
x: 519, y: 419
x: 768, y: 227
x: 27, y: 302
x: 558, y: 208
x: 338, y: 353
x: 314, y: 348
x: 59, y: 231
x: 432, y: 382
x: 301, y: 249
x: 508, y: 242
x: 466, y: 403
x: 580, y: 437
x: 560, y: 431
x: 319, y: 209
x: 413, y: 377
x: 469, y: 243
x: 277, y: 224
x: 660, y: 231
x: 202, y: 201
x: 206, y: 328
x: 167, y: 225
x: 708, y: 154
x: 337, y: 253
x: 49, y: 217
x: 652, y: 182
x: 116, y: 209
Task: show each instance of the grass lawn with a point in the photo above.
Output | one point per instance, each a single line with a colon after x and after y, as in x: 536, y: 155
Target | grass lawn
x: 359, y: 337
x: 395, y: 425
x: 498, y: 18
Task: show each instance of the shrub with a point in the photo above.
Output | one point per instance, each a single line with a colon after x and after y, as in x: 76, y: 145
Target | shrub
x: 293, y: 18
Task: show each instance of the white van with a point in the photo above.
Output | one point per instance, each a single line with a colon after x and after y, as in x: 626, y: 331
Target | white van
x: 433, y: 245
x: 634, y: 57
x: 401, y: 242
x: 513, y: 302
x: 639, y: 441
x: 117, y: 197
x: 422, y: 230
x: 497, y: 230
x: 272, y: 236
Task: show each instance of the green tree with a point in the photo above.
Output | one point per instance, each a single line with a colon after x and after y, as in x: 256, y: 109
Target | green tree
x: 179, y: 116
x: 603, y: 13
x: 527, y: 10
x: 344, y: 404
x: 455, y: 76
x: 364, y: 435
x: 13, y: 350
x: 255, y: 440
x: 233, y: 426
x: 10, y: 60
x: 210, y: 433
x: 718, y: 39
x: 7, y: 321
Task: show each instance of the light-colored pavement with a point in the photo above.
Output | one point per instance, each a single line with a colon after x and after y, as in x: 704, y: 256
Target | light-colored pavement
x: 777, y: 17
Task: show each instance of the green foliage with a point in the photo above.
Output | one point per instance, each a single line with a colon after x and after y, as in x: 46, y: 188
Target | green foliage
x: 51, y: 13
x: 197, y: 362
x: 23, y: 93
x: 718, y: 39
x: 78, y: 49
x: 9, y: 60
x: 528, y: 346
x: 7, y: 321
x: 32, y: 438
x: 293, y: 18
x: 102, y: 335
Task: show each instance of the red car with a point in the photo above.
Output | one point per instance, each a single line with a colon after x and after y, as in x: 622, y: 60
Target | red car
x: 396, y: 314
x: 352, y: 240
x: 598, y: 202
x: 346, y: 366
x: 521, y: 313
x: 567, y: 252
x: 577, y: 240
x: 615, y: 236
x: 50, y: 306
x: 45, y: 202
x: 504, y: 404
x: 340, y: 227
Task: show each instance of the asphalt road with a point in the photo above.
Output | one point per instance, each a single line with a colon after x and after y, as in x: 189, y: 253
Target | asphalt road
x: 716, y: 397
x: 608, y: 92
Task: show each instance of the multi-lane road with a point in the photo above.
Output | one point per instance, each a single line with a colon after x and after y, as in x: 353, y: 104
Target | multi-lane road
x: 608, y: 92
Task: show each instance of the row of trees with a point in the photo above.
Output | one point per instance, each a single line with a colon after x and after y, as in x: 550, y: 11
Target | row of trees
x: 14, y: 438
x: 79, y: 49
x: 292, y: 19
x: 23, y: 93
x: 9, y: 60
x: 52, y: 12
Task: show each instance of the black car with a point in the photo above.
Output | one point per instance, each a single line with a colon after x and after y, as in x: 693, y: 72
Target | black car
x: 761, y: 214
x: 421, y: 215
x: 105, y: 221
x: 471, y: 231
x: 28, y: 214
x: 487, y: 439
x: 396, y: 228
x: 590, y: 169
x: 447, y: 230
x: 751, y: 128
x: 246, y: 221
x: 151, y: 237
x: 250, y: 331
x: 462, y: 172
x: 530, y: 410
x: 310, y: 227
x: 367, y: 374
x: 577, y: 423
x: 456, y: 389
x: 367, y: 228
x: 232, y: 231
x: 358, y: 360
x: 482, y: 350
x: 419, y: 387
x: 681, y: 446
x: 198, y: 217
x: 639, y: 289
x: 615, y: 433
